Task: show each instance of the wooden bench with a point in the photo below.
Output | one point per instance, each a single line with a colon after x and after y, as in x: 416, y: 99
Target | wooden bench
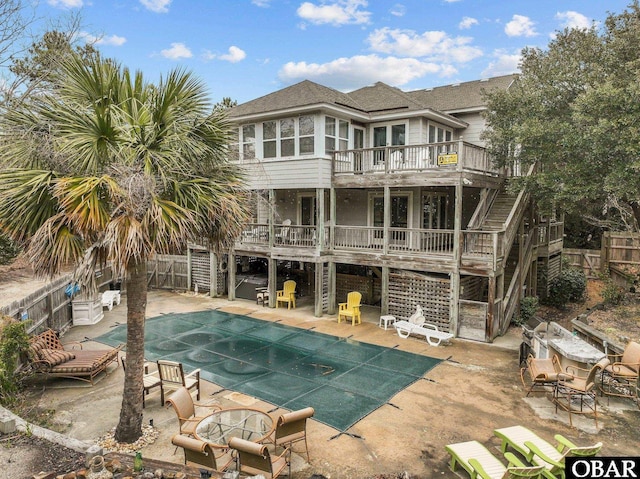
x: 48, y: 356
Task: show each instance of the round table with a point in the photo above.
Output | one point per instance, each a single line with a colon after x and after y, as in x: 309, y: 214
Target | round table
x: 246, y: 423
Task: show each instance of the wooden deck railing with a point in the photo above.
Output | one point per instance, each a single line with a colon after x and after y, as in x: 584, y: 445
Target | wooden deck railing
x: 456, y: 155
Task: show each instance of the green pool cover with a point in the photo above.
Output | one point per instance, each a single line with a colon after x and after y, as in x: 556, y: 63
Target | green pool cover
x: 344, y: 380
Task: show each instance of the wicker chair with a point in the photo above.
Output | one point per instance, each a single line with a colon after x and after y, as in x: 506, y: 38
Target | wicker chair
x: 185, y: 409
x: 622, y: 374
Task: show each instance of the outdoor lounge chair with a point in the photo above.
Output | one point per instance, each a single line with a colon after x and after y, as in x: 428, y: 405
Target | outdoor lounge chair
x: 254, y: 459
x: 476, y: 459
x: 172, y: 377
x: 287, y: 294
x: 579, y: 385
x: 150, y: 380
x: 418, y: 326
x: 351, y: 309
x: 186, y: 410
x: 622, y: 373
x: 542, y: 372
x: 48, y: 356
x: 202, y: 453
x: 292, y: 427
x: 538, y: 451
x: 111, y: 297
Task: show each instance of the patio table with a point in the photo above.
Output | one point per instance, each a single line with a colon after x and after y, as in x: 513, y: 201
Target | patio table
x: 246, y: 423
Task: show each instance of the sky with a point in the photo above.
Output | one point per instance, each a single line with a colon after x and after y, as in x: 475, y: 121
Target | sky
x: 244, y: 49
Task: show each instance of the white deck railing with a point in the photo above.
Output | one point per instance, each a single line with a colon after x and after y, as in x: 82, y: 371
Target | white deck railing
x: 394, y: 159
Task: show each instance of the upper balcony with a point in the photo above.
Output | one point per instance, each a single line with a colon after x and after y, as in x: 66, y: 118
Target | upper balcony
x: 451, y: 156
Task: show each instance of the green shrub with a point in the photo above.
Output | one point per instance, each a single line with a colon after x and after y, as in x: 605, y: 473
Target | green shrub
x: 14, y: 341
x: 528, y: 308
x: 569, y: 286
x: 612, y: 294
x: 8, y: 250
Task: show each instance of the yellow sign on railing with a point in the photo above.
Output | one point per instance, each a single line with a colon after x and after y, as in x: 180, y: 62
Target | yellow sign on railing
x: 447, y: 159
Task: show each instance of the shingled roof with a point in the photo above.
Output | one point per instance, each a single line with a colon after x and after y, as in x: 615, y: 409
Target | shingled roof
x: 460, y: 96
x: 377, y: 98
x: 295, y: 96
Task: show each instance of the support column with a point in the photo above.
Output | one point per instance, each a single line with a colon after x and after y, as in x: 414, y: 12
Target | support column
x: 319, y: 276
x: 231, y: 271
x: 273, y: 281
x: 458, y: 239
x: 320, y: 219
x: 491, y: 308
x: 387, y: 219
x: 384, y: 284
x: 332, y: 306
x: 213, y: 275
x: 189, y: 271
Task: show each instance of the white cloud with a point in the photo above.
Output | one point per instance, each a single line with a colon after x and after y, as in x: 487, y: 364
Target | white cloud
x: 467, y: 22
x: 339, y: 12
x: 434, y: 45
x: 177, y: 51
x: 505, y: 63
x: 353, y: 72
x: 398, y: 10
x: 520, y: 26
x: 65, y: 3
x: 572, y: 19
x: 158, y: 6
x: 261, y: 3
x: 111, y: 40
x: 235, y: 55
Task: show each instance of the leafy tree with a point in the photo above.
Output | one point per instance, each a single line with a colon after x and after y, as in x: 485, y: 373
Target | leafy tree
x: 110, y: 168
x: 574, y: 112
x: 225, y: 104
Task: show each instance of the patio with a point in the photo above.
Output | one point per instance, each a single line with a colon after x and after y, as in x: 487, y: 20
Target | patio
x: 473, y: 391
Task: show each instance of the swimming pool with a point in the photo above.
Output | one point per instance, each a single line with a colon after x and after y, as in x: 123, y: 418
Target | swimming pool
x: 344, y: 380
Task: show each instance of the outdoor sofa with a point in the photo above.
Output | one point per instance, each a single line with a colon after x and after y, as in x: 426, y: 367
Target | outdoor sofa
x: 48, y: 356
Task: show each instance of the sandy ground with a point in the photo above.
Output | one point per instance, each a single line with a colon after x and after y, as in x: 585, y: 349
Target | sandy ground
x: 473, y: 391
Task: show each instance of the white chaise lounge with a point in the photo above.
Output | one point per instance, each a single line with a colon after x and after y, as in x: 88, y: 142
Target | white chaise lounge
x: 418, y: 326
x: 109, y: 298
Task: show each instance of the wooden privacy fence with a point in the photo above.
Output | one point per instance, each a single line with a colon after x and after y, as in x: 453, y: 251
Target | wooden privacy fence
x: 586, y: 259
x: 618, y: 251
x: 50, y: 306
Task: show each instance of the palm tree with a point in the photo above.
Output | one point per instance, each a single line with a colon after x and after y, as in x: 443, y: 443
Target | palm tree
x: 110, y: 169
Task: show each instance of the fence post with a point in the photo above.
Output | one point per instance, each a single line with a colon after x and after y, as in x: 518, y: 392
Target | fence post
x: 49, y: 306
x: 604, y: 252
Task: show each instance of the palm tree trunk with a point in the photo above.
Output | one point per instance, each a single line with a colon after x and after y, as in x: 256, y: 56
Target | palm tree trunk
x: 129, y: 428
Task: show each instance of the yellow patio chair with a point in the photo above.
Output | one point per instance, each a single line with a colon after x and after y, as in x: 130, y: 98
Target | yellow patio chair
x: 287, y: 294
x: 351, y: 309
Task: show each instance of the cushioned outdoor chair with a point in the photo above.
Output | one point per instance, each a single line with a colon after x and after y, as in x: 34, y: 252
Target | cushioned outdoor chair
x: 578, y: 385
x: 188, y: 412
x: 620, y: 377
x: 172, y: 377
x: 262, y: 296
x: 351, y: 309
x: 287, y: 294
x: 255, y: 459
x: 540, y: 452
x: 476, y: 459
x: 543, y: 373
x: 291, y: 427
x: 202, y: 453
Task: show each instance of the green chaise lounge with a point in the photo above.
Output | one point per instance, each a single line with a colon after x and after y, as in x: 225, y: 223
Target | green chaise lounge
x: 540, y: 452
x: 478, y: 461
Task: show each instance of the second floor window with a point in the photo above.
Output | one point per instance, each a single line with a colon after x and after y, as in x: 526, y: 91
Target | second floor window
x: 249, y: 142
x: 288, y: 137
x: 336, y: 135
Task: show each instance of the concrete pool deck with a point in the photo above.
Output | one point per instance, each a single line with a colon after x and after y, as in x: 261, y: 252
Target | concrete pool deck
x: 473, y: 391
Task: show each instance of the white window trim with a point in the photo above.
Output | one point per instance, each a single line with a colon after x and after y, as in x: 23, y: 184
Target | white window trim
x: 296, y: 138
x: 388, y: 125
x: 375, y: 194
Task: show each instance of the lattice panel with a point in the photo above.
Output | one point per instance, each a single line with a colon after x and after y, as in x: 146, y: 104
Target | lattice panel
x: 200, y: 271
x: 346, y: 283
x: 406, y: 290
